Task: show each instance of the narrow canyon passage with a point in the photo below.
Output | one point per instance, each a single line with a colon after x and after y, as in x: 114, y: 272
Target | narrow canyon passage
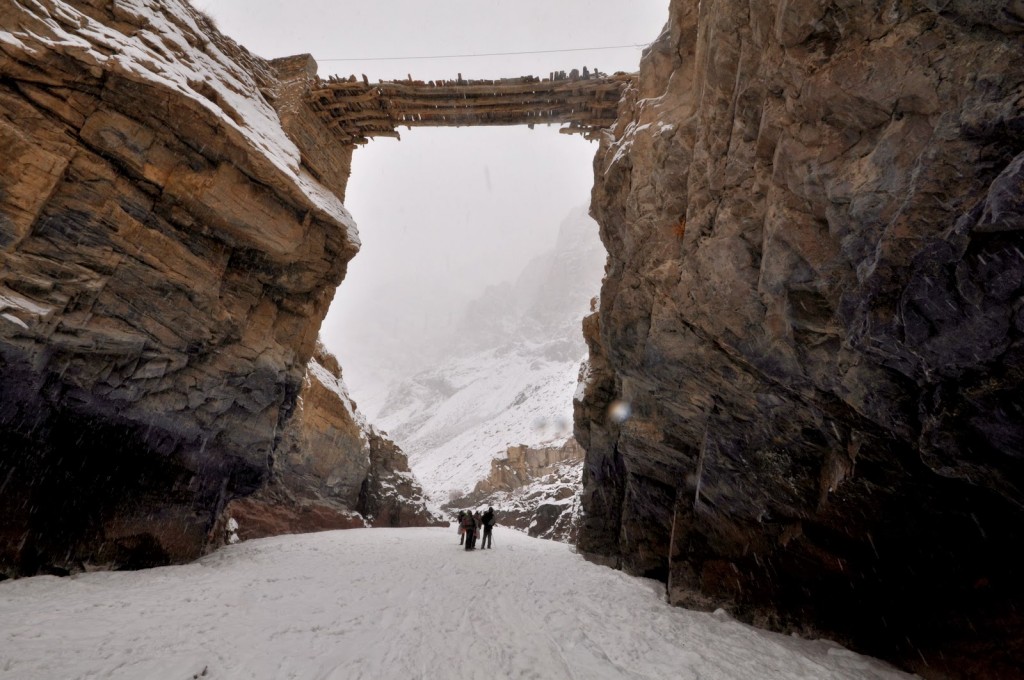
x: 803, y: 401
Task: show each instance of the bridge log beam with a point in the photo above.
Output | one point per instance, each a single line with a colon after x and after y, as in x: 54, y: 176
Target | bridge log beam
x: 357, y: 110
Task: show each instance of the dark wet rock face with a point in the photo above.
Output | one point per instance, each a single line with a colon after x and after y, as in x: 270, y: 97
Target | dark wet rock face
x: 813, y: 311
x: 331, y: 470
x: 166, y: 256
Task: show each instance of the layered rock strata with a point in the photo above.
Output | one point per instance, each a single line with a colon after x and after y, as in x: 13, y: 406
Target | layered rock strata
x: 167, y: 253
x: 523, y: 464
x: 811, y: 326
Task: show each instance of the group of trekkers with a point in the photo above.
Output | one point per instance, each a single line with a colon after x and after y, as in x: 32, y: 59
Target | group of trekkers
x: 471, y: 524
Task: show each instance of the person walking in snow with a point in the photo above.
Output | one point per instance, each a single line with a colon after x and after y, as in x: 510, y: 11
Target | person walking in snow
x: 462, y: 527
x: 470, y: 524
x: 488, y: 522
x: 479, y: 526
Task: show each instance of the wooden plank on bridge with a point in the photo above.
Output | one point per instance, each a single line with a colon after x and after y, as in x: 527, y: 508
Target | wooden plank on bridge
x: 357, y: 110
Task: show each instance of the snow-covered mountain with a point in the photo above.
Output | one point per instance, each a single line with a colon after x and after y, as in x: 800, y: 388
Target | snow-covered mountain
x: 509, y: 370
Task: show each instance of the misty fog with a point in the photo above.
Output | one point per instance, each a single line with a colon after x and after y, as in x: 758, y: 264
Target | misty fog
x: 466, y: 212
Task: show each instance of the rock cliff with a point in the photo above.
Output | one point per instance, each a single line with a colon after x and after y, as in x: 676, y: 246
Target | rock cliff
x: 811, y: 325
x: 171, y: 234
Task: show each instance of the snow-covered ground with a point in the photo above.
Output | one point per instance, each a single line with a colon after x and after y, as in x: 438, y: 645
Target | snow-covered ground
x: 383, y: 604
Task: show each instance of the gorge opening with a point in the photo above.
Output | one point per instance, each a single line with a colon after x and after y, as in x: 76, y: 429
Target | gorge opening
x: 498, y: 194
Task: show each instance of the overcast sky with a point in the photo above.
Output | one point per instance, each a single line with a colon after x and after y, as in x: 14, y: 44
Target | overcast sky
x: 445, y: 211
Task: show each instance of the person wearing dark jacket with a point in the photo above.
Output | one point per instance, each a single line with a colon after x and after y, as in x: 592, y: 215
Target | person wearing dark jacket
x: 479, y: 524
x: 470, y: 525
x: 488, y: 522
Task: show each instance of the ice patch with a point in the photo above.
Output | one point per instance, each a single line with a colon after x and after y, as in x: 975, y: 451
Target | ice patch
x: 11, y: 300
x: 15, y: 320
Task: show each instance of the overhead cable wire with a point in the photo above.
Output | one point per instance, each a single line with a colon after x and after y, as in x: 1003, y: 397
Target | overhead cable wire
x: 490, y: 54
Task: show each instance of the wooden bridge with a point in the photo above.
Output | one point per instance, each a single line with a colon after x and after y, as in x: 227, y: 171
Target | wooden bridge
x: 357, y: 110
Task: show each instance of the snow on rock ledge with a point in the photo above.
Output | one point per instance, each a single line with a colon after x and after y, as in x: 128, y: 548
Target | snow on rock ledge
x: 168, y: 46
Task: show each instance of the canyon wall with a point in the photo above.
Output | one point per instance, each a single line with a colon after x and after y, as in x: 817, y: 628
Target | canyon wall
x: 171, y: 235
x: 804, y: 398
